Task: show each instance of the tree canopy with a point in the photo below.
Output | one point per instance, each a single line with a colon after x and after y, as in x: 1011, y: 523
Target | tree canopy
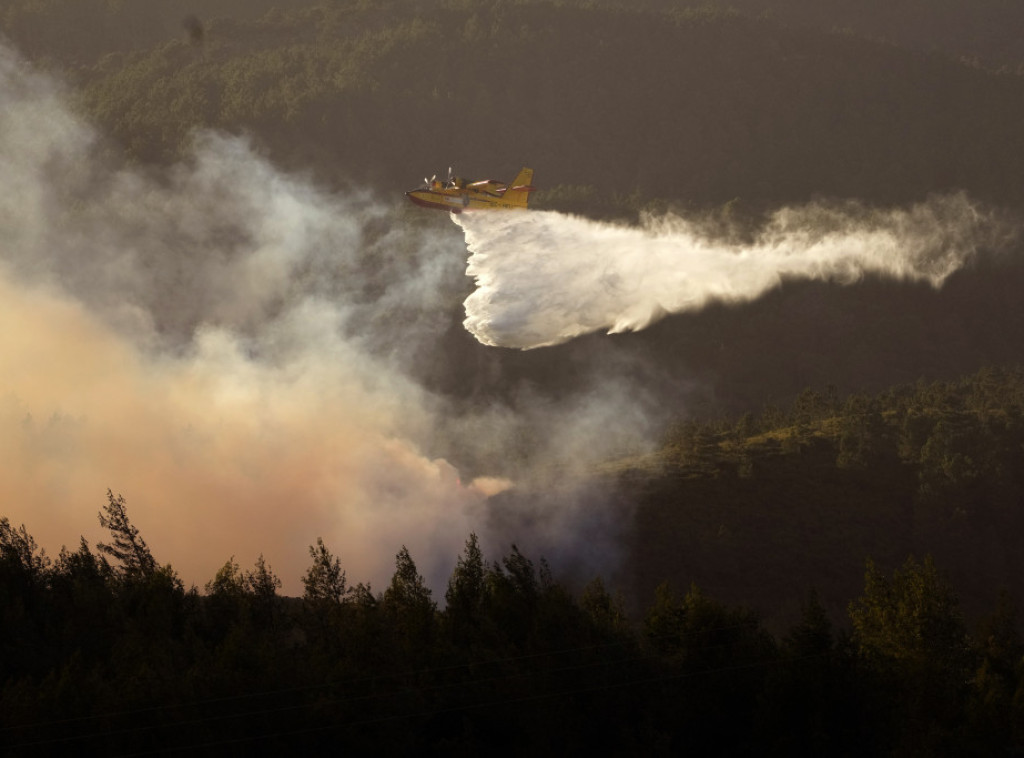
x: 515, y: 661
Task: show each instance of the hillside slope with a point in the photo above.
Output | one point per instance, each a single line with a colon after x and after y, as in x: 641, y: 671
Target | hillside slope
x: 694, y: 106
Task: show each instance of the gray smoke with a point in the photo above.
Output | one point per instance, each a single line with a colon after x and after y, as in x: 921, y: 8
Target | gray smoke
x: 223, y: 344
x: 232, y: 349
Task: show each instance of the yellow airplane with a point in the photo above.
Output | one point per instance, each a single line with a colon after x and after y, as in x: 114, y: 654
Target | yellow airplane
x: 457, y: 195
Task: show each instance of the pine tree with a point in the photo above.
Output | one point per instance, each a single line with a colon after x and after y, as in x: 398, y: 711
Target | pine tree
x: 128, y: 548
x: 408, y: 591
x: 908, y: 630
x: 466, y: 591
x: 408, y: 609
x: 324, y: 580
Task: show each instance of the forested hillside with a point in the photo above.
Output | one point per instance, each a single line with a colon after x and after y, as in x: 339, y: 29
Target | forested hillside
x: 76, y: 35
x: 104, y: 651
x: 808, y: 491
x: 977, y: 31
x: 696, y: 106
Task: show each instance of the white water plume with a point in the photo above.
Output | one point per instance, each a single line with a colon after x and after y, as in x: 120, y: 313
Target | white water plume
x: 544, y: 277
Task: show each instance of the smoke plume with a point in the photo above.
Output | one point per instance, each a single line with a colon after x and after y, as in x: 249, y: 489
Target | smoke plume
x: 224, y: 345
x: 543, y: 278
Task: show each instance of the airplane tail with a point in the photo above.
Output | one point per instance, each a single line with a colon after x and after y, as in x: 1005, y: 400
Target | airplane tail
x: 519, y: 190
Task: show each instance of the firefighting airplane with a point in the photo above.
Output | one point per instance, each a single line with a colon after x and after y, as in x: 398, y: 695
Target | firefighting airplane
x: 457, y: 195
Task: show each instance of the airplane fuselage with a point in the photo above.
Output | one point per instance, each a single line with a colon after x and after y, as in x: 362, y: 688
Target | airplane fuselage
x: 458, y: 200
x: 457, y: 195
